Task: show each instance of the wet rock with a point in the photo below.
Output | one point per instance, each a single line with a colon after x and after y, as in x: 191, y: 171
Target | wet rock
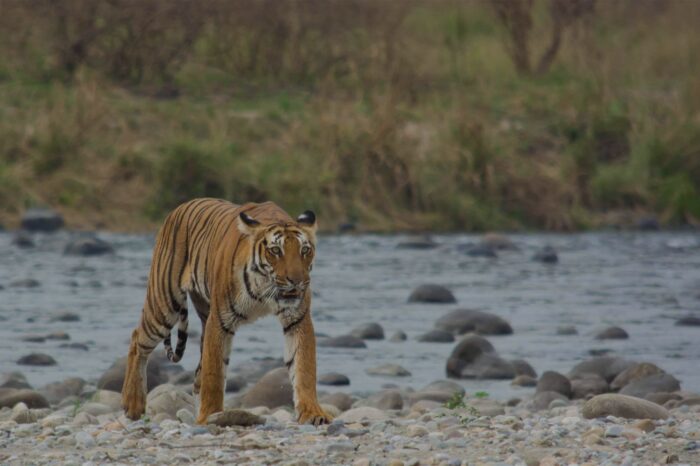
x: 168, y: 399
x: 36, y: 359
x: 648, y: 224
x: 55, y: 392
x: 66, y: 317
x: 340, y: 400
x: 567, y: 330
x: 23, y: 240
x: 333, y: 378
x: 13, y: 379
x: 689, y: 321
x: 524, y: 381
x: 25, y: 283
x: 627, y: 407
x: 234, y: 383
x: 75, y: 346
x: 661, y: 398
x: 418, y: 242
x: 554, y: 382
x: 475, y: 357
x: 273, y: 390
x: 651, y: 384
x: 636, y: 372
x: 546, y: 255
x: 88, y: 246
x: 608, y: 367
x: 398, y: 337
x: 590, y: 385
x: 461, y: 321
x: 364, y: 413
x: 612, y: 333
x: 437, y: 336
x: 430, y: 293
x: 41, y: 220
x: 113, y: 378
x: 21, y: 414
x: 544, y: 399
x: 235, y: 417
x: 498, y: 241
x: 478, y: 250
x: 523, y: 367
x: 371, y: 331
x: 388, y: 370
x: 342, y: 341
x: 9, y: 397
x: 34, y: 338
x: 386, y: 399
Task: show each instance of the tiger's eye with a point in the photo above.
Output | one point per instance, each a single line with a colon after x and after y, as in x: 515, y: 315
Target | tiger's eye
x: 305, y: 250
x: 276, y: 250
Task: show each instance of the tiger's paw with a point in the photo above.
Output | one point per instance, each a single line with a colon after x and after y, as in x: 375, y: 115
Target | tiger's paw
x: 134, y: 405
x: 313, y: 415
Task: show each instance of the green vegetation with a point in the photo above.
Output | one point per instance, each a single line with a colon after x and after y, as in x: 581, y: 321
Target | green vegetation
x: 440, y: 115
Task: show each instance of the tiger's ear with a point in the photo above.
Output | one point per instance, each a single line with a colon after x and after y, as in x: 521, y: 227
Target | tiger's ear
x: 308, y: 220
x: 246, y: 223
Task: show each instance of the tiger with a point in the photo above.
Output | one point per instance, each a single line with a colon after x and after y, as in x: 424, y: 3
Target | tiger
x: 237, y: 263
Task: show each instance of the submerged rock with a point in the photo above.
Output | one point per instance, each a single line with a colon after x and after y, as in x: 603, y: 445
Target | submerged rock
x: 475, y: 358
x: 45, y: 220
x: 342, y: 341
x: 430, y: 293
x: 37, y: 359
x: 651, y: 384
x: 370, y: 331
x: 437, y: 336
x: 88, y: 246
x: 612, y: 333
x: 390, y: 370
x: 461, y: 321
x: 333, y: 378
x: 418, y: 242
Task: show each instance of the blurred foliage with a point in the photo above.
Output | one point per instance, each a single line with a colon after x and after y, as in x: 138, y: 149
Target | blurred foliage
x: 449, y: 114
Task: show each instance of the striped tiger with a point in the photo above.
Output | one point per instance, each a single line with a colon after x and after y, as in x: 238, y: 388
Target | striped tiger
x: 237, y: 264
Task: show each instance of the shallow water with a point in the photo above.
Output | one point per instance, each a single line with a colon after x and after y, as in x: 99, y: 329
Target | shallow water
x: 639, y: 281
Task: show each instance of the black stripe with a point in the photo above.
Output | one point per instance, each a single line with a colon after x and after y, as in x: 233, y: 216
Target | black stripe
x: 226, y: 361
x: 290, y: 362
x: 291, y: 326
x: 224, y: 328
x: 246, y: 281
x: 181, y: 335
x: 145, y: 347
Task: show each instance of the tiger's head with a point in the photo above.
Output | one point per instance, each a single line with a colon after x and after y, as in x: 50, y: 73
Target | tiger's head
x: 281, y: 258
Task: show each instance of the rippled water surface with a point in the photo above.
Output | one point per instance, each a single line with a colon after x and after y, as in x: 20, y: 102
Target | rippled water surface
x: 639, y: 281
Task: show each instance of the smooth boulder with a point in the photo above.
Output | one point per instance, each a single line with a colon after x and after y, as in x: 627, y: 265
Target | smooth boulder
x: 656, y: 383
x: 388, y: 370
x: 430, y: 293
x: 546, y: 255
x: 9, y: 397
x: 333, y: 379
x: 370, y: 331
x: 608, y: 367
x: 168, y: 399
x: 436, y: 336
x: 113, y: 378
x: 36, y: 359
x: 273, y: 390
x: 235, y: 417
x: 45, y: 220
x: 584, y: 387
x: 554, y: 382
x: 475, y: 358
x: 88, y: 246
x: 689, y: 321
x: 612, y: 404
x: 342, y: 341
x: 612, y: 333
x: 13, y: 379
x: 636, y: 372
x: 461, y: 321
x: 57, y: 391
x: 23, y: 240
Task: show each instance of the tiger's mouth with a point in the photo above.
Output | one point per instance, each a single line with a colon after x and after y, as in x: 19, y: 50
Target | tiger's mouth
x: 289, y: 294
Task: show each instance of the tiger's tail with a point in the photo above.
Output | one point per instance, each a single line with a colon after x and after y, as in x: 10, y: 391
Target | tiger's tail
x: 181, y: 339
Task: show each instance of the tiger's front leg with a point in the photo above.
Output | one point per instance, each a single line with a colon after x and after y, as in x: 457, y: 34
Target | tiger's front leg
x: 300, y: 359
x: 215, y: 358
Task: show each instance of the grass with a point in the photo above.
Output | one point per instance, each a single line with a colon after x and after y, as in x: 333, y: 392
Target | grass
x: 395, y: 115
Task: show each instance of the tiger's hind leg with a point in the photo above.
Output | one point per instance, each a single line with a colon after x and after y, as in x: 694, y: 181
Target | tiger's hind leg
x: 154, y: 327
x: 202, y: 308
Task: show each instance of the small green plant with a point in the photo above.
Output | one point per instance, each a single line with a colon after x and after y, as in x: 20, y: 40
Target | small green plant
x: 481, y: 395
x: 456, y: 402
x: 76, y: 406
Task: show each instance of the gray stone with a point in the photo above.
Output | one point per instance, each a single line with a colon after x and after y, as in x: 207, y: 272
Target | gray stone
x: 651, y: 384
x: 88, y: 246
x: 475, y: 358
x: 523, y: 367
x: 612, y: 404
x: 449, y: 386
x: 168, y: 399
x: 109, y: 398
x: 340, y: 400
x: 55, y: 392
x: 84, y: 440
x: 333, y: 378
x: 636, y: 372
x: 342, y: 341
x: 21, y: 414
x: 66, y: 317
x: 185, y: 416
x: 488, y: 408
x: 542, y: 400
x: 363, y: 413
x: 546, y: 255
x: 478, y: 250
x: 23, y: 240
x: 461, y: 321
x: 430, y: 395
x: 41, y: 220
x: 608, y: 367
x: 437, y: 336
x: 13, y: 379
x: 398, y: 337
x: 370, y: 331
x: 689, y: 321
x: 430, y: 293
x: 388, y: 370
x: 34, y: 338
x: 273, y: 390
x: 255, y: 368
x: 235, y: 417
x: 36, y: 359
x: 524, y: 381
x: 387, y: 399
x: 554, y: 382
x: 113, y: 378
x: 567, y: 330
x: 584, y: 387
x: 235, y: 383
x: 11, y: 396
x: 96, y: 409
x: 25, y: 283
x: 612, y: 333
